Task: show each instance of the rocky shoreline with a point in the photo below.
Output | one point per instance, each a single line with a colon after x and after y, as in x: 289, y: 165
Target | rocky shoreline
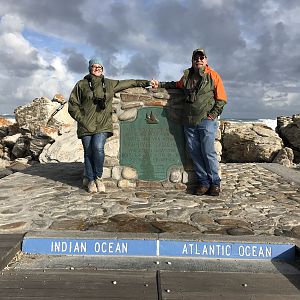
x: 45, y: 133
x: 43, y: 157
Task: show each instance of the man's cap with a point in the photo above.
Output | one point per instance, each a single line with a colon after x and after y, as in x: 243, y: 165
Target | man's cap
x: 200, y: 50
x: 94, y: 61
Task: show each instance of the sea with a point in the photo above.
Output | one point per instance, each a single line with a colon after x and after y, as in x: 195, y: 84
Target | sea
x: 272, y: 123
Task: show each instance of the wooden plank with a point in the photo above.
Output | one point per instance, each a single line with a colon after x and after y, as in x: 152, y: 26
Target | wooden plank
x: 10, y: 244
x: 78, y: 284
x: 213, y: 285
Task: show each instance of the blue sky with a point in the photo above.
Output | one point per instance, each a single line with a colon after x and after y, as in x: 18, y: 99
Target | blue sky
x: 253, y: 45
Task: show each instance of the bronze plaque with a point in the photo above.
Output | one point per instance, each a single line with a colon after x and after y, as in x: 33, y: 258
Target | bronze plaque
x: 151, y: 143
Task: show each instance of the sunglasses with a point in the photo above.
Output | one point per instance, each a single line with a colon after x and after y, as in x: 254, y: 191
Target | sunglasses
x: 199, y: 57
x: 97, y: 68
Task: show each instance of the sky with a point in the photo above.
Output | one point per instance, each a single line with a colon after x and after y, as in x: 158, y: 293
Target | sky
x: 254, y: 46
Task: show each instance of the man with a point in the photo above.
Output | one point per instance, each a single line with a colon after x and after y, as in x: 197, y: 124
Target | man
x: 205, y: 98
x: 90, y: 104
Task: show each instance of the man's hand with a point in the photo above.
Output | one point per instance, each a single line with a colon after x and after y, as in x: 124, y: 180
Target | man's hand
x: 154, y: 83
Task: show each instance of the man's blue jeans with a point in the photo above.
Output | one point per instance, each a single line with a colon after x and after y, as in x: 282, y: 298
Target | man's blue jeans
x: 93, y: 147
x: 201, y: 145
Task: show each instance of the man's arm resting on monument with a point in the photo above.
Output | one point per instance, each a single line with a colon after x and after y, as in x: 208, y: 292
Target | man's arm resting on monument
x: 171, y: 84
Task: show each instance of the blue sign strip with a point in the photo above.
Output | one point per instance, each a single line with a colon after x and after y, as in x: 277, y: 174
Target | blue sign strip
x: 90, y: 247
x: 227, y: 250
x: 158, y: 248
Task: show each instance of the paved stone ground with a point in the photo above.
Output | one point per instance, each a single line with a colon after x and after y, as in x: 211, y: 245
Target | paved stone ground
x: 254, y: 201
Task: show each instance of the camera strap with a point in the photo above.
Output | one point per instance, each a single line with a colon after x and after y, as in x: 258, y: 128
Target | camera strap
x: 89, y: 79
x: 189, y: 80
x: 103, y: 87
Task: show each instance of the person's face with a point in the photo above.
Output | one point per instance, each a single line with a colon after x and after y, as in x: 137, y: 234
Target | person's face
x: 96, y: 70
x: 199, y: 61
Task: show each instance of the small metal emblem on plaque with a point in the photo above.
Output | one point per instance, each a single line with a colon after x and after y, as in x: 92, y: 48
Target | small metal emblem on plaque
x: 151, y: 119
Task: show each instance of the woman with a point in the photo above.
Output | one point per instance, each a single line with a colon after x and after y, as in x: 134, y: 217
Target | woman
x: 90, y: 104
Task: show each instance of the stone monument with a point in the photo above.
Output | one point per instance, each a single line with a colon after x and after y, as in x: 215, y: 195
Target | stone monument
x: 152, y: 143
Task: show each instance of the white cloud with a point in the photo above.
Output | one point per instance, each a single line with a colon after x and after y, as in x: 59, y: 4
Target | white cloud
x: 25, y: 71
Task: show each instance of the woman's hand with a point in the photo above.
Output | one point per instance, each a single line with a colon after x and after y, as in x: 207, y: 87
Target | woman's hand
x: 154, y: 83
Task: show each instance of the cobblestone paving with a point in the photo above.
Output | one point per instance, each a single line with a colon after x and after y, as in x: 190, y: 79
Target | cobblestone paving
x: 253, y: 201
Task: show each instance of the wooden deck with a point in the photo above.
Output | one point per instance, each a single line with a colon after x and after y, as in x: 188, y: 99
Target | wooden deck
x: 10, y: 244
x: 142, y: 285
x: 84, y: 284
x: 88, y: 283
x: 231, y: 286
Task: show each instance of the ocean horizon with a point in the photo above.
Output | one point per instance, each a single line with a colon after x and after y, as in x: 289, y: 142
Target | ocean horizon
x: 272, y: 123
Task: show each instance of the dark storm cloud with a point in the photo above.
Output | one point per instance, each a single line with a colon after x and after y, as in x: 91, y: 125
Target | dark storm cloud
x: 143, y: 64
x: 19, y: 66
x: 76, y: 62
x: 254, y: 45
x: 52, y: 17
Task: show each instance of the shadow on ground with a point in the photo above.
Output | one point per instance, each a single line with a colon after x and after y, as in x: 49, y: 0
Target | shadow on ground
x: 67, y: 173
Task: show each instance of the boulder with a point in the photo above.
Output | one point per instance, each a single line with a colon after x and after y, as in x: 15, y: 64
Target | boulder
x: 66, y: 148
x: 285, y: 157
x: 4, y: 124
x: 288, y: 129
x: 43, y: 116
x: 249, y: 142
x: 10, y: 140
x: 21, y: 147
x: 291, y: 134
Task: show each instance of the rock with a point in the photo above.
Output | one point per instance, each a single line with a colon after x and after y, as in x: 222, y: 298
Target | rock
x: 129, y: 114
x: 4, y: 163
x: 10, y: 140
x: 5, y: 172
x: 175, y: 175
x: 106, y: 173
x: 21, y: 147
x: 129, y: 173
x: 296, y: 231
x: 201, y: 218
x: 37, y: 144
x: 5, y: 122
x: 284, y: 157
x: 112, y: 147
x: 15, y: 225
x: 174, y: 227
x: 136, y: 90
x: 59, y: 98
x: 69, y: 225
x: 162, y: 96
x: 156, y: 103
x: 125, y: 183
x: 18, y: 166
x: 232, y: 222
x: 4, y: 125
x: 290, y: 135
x: 38, y: 117
x: 127, y: 223
x: 246, y: 142
x: 116, y: 172
x: 288, y: 129
x: 66, y: 148
x: 239, y: 231
x: 4, y: 153
x: 130, y: 105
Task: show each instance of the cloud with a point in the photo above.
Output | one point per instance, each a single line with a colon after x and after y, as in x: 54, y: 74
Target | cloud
x: 254, y: 45
x: 75, y: 62
x: 25, y: 73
